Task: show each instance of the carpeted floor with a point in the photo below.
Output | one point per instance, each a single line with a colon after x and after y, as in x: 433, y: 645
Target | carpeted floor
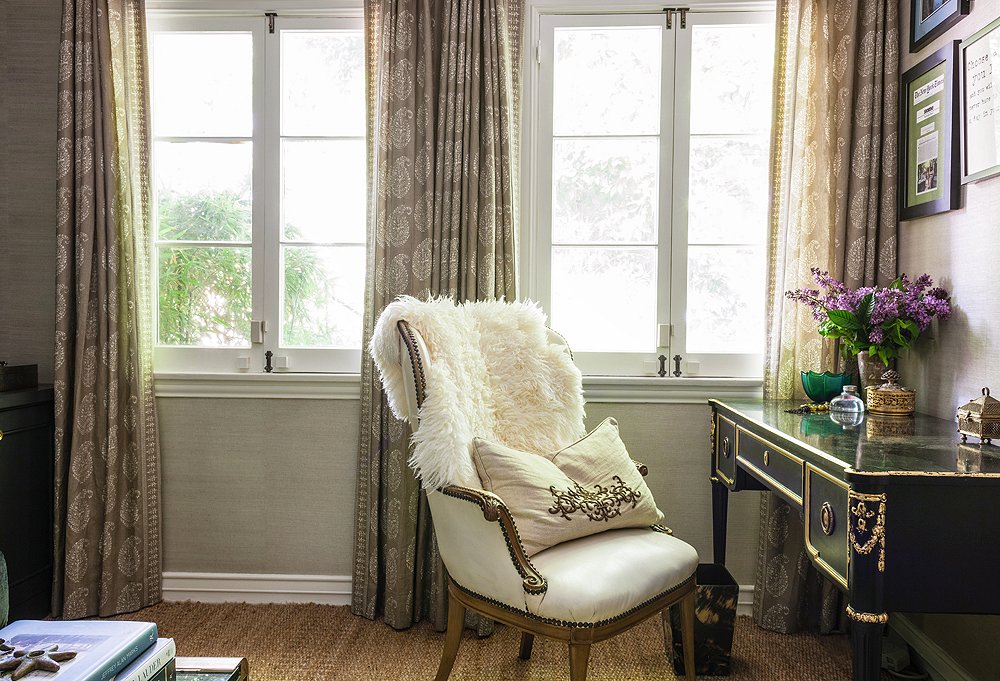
x: 307, y: 642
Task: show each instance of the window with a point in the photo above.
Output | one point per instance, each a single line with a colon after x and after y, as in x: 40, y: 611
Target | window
x: 259, y: 192
x: 650, y: 188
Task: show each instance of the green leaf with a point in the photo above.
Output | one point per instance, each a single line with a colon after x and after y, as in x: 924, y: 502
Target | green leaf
x: 844, y: 319
x: 866, y: 307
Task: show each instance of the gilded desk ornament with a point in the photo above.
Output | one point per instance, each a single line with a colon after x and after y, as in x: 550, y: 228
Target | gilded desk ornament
x: 980, y: 418
x: 858, y: 524
x: 867, y: 617
x: 890, y: 398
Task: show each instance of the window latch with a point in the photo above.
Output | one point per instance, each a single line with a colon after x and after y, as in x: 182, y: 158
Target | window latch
x: 669, y: 11
x: 270, y: 20
x: 677, y: 365
x: 683, y: 11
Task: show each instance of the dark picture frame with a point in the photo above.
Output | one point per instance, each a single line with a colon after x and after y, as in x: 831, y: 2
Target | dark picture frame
x: 980, y: 105
x: 929, y: 141
x: 931, y: 18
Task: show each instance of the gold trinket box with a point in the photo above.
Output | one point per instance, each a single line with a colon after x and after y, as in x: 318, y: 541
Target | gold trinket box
x: 890, y: 398
x: 980, y: 418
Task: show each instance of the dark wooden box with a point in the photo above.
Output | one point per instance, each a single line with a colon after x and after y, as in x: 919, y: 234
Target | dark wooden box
x: 18, y: 377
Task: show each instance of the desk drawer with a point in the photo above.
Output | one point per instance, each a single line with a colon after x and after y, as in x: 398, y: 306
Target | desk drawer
x: 826, y: 523
x: 781, y: 469
x: 725, y: 450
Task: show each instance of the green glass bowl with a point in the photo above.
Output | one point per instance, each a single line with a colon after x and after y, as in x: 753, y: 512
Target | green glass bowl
x: 823, y: 387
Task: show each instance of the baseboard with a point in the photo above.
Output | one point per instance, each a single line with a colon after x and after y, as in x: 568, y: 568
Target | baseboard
x: 744, y: 604
x: 936, y: 662
x: 219, y: 587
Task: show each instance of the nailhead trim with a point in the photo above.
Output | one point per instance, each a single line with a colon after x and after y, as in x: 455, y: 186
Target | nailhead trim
x: 493, y: 508
x: 416, y: 363
x: 574, y: 625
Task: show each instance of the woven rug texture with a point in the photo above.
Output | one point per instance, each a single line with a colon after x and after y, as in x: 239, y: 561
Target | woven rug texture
x: 300, y: 642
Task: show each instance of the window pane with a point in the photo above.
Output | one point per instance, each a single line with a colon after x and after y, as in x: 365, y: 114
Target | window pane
x: 607, y: 80
x: 204, y: 296
x: 604, y: 190
x: 725, y: 299
x: 731, y: 72
x: 203, y: 84
x: 727, y: 199
x: 604, y: 299
x: 203, y: 190
x: 323, y: 83
x: 323, y: 296
x: 323, y: 190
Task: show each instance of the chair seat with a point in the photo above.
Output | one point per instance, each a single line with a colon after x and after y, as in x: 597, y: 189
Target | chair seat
x: 600, y: 577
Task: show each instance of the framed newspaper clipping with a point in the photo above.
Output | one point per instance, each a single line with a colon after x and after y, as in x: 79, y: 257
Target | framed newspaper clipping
x: 929, y: 136
x: 980, y: 75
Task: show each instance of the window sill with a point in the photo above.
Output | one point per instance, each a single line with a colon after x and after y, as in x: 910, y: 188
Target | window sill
x: 276, y: 385
x: 669, y: 389
x: 628, y: 389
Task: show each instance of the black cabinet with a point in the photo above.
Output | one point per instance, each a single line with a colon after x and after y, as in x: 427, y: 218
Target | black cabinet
x: 26, y: 489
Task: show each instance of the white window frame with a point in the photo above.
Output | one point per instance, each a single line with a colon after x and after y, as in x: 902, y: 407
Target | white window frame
x: 267, y: 275
x: 543, y: 16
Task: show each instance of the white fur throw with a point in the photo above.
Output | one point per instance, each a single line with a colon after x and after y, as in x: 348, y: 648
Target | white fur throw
x: 492, y: 373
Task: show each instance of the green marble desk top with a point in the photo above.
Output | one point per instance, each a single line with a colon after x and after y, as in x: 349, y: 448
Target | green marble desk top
x: 880, y: 444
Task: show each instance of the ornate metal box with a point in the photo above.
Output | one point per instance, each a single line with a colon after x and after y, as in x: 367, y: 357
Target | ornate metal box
x: 890, y: 397
x: 980, y: 418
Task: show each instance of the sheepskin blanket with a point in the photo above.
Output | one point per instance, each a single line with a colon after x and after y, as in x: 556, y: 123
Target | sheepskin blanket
x: 492, y: 373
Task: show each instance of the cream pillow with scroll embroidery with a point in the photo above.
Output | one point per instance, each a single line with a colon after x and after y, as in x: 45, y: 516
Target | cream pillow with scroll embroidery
x: 588, y: 487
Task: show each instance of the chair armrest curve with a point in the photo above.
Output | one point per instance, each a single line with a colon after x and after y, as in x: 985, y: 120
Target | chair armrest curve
x: 641, y: 467
x: 495, y: 511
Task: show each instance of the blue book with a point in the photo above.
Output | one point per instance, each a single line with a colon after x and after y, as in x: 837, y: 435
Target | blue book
x: 103, y: 648
x: 150, y: 663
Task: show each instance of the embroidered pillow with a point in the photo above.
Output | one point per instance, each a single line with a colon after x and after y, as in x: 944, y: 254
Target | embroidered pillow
x: 588, y: 487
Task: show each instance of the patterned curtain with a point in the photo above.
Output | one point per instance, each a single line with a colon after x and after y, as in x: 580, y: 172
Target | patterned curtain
x: 833, y: 183
x: 107, y: 487
x: 443, y: 128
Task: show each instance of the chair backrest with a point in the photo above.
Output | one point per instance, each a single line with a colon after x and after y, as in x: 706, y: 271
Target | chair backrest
x: 484, y: 369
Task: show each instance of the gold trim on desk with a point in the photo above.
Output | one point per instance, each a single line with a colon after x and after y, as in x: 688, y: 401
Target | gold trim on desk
x: 715, y: 452
x: 858, y: 517
x: 740, y: 459
x: 812, y: 550
x: 867, y: 617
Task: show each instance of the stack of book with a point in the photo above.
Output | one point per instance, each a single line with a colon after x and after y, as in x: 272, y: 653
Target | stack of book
x: 85, y: 651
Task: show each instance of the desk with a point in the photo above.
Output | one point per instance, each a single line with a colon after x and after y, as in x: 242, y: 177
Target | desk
x: 897, y: 513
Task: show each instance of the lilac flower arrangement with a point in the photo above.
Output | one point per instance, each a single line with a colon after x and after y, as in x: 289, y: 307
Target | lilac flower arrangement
x: 881, y: 320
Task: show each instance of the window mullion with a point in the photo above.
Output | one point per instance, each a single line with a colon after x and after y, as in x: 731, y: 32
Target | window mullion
x: 268, y: 237
x: 667, y: 281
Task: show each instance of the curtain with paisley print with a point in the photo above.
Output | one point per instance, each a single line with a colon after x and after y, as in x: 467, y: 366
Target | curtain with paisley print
x: 107, y: 480
x: 443, y: 129
x: 833, y: 206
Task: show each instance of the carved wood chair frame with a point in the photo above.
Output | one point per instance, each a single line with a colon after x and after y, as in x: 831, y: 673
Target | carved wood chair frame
x: 578, y: 635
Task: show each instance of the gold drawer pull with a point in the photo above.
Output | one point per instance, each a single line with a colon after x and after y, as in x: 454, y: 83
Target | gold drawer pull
x: 725, y: 447
x: 827, y: 519
x: 767, y: 458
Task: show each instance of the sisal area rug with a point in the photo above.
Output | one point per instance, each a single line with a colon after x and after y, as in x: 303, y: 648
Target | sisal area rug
x: 306, y: 642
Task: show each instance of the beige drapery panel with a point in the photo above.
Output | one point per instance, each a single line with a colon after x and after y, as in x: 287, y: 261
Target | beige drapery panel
x: 833, y: 183
x: 107, y: 480
x: 443, y: 107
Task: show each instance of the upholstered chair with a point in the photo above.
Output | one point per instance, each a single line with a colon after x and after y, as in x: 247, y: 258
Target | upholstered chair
x: 579, y: 592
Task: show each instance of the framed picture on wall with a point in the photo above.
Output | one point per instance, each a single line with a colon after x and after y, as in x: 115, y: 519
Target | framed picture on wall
x: 980, y: 87
x: 931, y: 18
x: 929, y: 136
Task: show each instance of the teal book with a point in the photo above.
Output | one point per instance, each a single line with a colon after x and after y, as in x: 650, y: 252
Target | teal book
x: 103, y: 648
x: 150, y: 664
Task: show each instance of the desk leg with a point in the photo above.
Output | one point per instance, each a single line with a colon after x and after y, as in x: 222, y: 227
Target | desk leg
x: 720, y: 518
x: 867, y: 640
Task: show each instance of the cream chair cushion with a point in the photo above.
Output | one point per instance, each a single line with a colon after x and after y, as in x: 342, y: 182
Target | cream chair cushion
x: 606, y: 575
x: 590, y: 486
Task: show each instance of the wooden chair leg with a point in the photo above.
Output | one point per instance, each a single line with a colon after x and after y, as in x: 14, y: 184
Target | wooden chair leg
x: 456, y: 623
x: 579, y: 653
x: 687, y: 634
x: 527, y: 641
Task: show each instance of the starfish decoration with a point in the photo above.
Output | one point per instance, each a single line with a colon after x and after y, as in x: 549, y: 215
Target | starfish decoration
x: 10, y: 656
x: 45, y: 659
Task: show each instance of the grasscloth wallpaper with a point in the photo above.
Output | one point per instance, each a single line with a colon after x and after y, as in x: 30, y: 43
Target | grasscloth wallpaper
x: 951, y: 364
